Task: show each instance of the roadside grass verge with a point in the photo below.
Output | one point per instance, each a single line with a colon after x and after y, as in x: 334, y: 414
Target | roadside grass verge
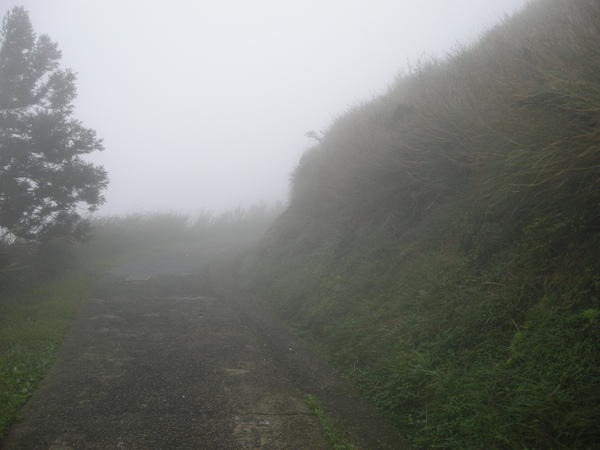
x: 31, y: 327
x: 457, y: 353
x: 334, y: 436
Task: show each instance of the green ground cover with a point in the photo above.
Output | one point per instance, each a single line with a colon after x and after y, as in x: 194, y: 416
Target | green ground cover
x: 441, y: 242
x: 31, y: 326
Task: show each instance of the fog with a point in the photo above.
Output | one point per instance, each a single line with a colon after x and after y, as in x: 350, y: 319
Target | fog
x: 204, y: 104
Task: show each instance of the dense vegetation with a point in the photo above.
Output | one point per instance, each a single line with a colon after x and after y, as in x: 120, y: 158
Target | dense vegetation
x: 44, y: 180
x: 441, y: 241
x: 40, y: 293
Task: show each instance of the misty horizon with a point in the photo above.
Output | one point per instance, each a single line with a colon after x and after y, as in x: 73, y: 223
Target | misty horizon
x: 206, y: 106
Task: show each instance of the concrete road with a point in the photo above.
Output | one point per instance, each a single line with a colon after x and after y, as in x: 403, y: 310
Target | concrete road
x: 167, y: 354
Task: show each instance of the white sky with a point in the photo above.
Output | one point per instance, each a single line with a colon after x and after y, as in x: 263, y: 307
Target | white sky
x: 204, y: 104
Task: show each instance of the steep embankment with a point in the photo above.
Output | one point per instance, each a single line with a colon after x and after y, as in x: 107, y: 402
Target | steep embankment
x: 441, y: 243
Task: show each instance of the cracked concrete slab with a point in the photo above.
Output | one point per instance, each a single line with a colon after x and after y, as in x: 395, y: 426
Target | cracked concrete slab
x: 187, y: 363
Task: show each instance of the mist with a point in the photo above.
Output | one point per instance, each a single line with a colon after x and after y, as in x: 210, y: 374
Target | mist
x: 205, y: 105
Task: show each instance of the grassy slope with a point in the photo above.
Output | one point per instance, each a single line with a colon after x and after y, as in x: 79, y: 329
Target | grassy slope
x: 441, y: 244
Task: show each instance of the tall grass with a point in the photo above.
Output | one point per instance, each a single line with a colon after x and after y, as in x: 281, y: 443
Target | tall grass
x: 514, y: 117
x: 441, y: 240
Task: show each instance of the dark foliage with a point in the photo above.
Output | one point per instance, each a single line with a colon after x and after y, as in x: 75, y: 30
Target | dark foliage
x: 43, y: 178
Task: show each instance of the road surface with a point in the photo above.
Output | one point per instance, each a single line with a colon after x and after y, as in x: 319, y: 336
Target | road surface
x: 166, y: 353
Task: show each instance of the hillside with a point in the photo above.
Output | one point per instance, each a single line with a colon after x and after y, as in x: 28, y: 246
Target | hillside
x: 441, y: 241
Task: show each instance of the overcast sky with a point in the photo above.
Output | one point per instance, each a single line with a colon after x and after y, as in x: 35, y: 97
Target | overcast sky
x: 204, y: 104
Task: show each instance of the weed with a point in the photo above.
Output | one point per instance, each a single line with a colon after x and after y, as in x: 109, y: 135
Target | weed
x: 327, y: 422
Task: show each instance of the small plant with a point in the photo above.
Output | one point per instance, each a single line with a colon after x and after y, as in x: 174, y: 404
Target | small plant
x: 328, y: 424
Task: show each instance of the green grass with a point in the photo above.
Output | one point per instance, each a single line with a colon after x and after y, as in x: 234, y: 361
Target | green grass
x: 499, y: 357
x: 334, y: 436
x: 441, y: 243
x: 31, y: 327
